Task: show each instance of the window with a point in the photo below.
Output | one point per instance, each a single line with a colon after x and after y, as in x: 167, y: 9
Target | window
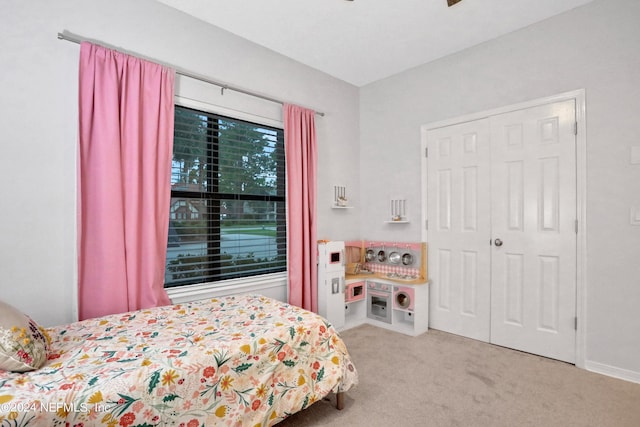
x: 227, y: 212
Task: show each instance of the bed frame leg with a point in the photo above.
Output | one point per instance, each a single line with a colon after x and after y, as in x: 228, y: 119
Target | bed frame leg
x: 340, y: 400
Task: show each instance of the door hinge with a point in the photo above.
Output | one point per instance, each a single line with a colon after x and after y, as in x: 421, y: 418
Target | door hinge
x: 426, y: 224
x: 576, y: 226
x: 575, y: 323
x: 426, y: 152
x: 575, y: 128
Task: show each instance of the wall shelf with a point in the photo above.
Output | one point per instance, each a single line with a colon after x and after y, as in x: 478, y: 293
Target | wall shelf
x: 398, y: 211
x: 340, y: 197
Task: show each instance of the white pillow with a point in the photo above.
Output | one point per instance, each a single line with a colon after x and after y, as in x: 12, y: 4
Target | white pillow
x: 23, y: 344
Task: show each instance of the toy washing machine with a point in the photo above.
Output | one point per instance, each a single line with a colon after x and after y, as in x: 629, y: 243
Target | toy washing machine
x: 403, y: 298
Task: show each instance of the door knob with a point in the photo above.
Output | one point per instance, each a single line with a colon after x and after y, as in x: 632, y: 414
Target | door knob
x: 498, y: 242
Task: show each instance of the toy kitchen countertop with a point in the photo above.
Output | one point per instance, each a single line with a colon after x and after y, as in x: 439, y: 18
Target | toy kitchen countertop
x: 394, y: 277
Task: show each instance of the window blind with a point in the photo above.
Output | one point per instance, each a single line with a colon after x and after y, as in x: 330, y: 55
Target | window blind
x: 227, y: 211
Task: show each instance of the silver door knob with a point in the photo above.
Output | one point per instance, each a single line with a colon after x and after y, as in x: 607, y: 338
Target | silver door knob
x: 498, y: 242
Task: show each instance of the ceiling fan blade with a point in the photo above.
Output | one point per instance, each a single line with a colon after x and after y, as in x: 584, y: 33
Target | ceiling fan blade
x: 452, y: 2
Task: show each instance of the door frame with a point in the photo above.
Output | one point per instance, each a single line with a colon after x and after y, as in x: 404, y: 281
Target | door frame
x: 579, y: 97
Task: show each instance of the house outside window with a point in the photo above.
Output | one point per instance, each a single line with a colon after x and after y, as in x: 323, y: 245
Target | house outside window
x: 227, y: 210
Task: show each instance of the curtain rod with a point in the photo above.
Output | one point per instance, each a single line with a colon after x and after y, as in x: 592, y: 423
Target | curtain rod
x: 65, y: 35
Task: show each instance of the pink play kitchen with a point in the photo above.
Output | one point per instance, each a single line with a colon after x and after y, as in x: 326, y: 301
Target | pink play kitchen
x: 381, y: 283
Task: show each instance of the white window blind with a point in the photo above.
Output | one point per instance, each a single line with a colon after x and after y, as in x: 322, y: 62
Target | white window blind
x: 227, y: 211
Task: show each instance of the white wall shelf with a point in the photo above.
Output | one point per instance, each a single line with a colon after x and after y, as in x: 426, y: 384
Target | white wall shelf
x: 398, y: 211
x: 340, y: 197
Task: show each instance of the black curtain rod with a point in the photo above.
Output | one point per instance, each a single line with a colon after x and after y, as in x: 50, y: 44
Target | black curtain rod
x: 65, y: 35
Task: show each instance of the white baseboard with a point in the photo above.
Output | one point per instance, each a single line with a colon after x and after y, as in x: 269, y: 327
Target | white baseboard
x: 612, y: 371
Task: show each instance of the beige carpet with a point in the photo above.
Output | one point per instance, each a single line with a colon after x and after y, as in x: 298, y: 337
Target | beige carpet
x: 439, y: 379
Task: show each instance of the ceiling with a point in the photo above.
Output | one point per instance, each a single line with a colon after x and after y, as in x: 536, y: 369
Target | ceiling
x: 362, y: 41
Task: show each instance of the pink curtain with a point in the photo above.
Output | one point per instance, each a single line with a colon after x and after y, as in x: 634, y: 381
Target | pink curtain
x: 301, y: 160
x: 124, y: 167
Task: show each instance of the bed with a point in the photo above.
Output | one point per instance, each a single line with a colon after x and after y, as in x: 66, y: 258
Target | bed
x: 236, y: 361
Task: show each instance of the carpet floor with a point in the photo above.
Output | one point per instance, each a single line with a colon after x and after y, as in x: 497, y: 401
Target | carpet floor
x: 440, y: 379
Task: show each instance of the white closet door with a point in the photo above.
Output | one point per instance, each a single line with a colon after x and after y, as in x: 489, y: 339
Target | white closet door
x: 458, y: 204
x: 533, y: 187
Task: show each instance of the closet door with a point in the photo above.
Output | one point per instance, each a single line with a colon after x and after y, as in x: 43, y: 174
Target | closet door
x: 533, y: 252
x: 458, y: 209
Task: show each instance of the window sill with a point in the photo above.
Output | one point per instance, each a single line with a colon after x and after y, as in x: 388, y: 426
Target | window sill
x: 255, y: 284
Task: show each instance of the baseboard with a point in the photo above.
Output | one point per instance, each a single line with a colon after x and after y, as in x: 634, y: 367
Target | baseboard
x: 612, y: 371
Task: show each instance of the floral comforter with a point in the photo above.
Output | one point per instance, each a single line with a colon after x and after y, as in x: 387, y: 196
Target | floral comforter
x: 232, y: 361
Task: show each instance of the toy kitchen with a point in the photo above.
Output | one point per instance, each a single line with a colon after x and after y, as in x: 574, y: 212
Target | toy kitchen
x: 381, y: 283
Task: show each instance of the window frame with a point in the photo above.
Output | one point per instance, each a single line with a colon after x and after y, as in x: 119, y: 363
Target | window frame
x: 249, y: 282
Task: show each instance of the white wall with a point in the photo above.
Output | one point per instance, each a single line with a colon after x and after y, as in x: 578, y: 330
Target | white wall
x: 594, y: 47
x: 39, y: 126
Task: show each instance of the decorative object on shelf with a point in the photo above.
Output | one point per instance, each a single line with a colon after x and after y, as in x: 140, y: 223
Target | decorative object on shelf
x: 398, y: 210
x: 340, y: 196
